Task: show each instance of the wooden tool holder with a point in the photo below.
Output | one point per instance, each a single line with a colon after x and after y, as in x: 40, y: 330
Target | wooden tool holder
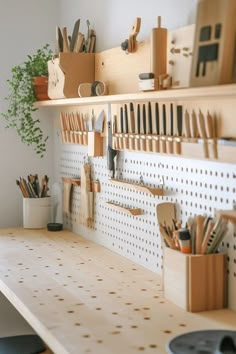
x: 73, y: 130
x: 67, y: 72
x: 125, y: 209
x: 95, y: 144
x: 195, y: 282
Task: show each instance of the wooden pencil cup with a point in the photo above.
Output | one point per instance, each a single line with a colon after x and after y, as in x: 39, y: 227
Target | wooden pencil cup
x: 195, y: 282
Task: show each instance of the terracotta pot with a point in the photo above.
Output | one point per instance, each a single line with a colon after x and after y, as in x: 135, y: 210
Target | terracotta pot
x: 41, y: 87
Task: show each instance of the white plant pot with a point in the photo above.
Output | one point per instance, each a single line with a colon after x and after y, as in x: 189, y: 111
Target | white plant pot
x: 36, y: 212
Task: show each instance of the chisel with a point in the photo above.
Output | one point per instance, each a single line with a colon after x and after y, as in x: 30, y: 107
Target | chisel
x: 193, y: 125
x: 211, y: 133
x: 144, y: 120
x: 131, y: 118
x: 171, y: 120
x: 163, y: 119
x: 157, y: 118
x: 179, y: 119
x: 187, y: 124
x: 202, y: 130
x: 137, y: 125
x: 149, y: 126
x: 121, y: 120
x: 125, y: 125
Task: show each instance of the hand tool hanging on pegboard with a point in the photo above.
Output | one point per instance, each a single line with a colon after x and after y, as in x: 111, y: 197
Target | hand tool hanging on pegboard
x: 111, y: 153
x: 86, y: 196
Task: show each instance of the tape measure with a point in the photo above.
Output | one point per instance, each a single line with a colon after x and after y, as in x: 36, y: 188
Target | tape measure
x: 97, y: 88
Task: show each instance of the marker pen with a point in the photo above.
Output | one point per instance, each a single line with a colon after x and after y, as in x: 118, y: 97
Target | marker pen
x: 185, y: 241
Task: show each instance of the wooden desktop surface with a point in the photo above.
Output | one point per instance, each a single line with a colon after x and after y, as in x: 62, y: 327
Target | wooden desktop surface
x: 82, y: 298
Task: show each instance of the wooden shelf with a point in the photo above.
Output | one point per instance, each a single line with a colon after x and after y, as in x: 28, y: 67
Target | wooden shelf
x: 74, y: 181
x: 95, y: 185
x: 229, y: 215
x: 203, y: 93
x: 123, y: 209
x: 138, y: 186
x: 225, y: 153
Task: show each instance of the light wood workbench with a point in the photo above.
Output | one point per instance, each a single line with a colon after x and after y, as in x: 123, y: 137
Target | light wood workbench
x: 82, y: 298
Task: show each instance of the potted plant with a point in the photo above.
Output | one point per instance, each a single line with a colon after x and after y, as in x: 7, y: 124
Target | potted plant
x: 22, y: 96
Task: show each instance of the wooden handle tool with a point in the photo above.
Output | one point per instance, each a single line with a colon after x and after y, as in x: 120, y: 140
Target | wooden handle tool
x: 158, y: 50
x: 79, y: 43
x: 131, y: 118
x: 193, y: 125
x: 211, y: 133
x: 187, y: 124
x: 203, y: 134
x: 66, y: 47
x: 199, y: 232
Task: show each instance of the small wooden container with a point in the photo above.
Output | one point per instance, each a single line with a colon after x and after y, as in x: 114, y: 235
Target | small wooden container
x: 195, y: 282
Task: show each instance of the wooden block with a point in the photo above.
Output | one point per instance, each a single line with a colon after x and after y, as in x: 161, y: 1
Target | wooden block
x: 175, y: 277
x: 213, y: 54
x: 67, y: 72
x: 206, y: 278
x: 195, y: 282
x: 95, y: 144
x: 179, y: 55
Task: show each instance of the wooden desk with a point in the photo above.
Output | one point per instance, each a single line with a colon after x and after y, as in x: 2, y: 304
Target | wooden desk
x: 82, y: 298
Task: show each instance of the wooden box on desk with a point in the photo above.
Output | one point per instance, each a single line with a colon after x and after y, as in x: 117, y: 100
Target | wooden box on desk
x: 195, y: 282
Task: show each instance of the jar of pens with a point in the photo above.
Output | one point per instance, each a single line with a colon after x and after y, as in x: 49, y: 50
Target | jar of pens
x: 36, y: 201
x: 194, y: 272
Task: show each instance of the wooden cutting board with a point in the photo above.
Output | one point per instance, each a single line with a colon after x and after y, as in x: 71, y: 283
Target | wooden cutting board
x: 213, y: 54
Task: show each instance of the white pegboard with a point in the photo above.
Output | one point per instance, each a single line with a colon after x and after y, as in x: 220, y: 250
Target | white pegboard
x: 197, y: 187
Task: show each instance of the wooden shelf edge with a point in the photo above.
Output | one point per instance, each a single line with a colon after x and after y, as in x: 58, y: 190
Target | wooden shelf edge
x: 95, y: 185
x: 226, y: 153
x: 130, y: 211
x: 138, y: 186
x: 229, y: 215
x: 205, y: 92
x: 74, y: 181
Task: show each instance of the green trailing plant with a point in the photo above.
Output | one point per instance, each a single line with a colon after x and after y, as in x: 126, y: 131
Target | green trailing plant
x: 21, y: 99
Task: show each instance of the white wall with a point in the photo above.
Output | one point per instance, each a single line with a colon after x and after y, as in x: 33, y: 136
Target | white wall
x: 113, y: 19
x: 25, y: 25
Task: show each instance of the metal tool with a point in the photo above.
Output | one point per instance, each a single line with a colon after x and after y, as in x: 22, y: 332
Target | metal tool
x: 149, y: 126
x: 179, y: 120
x: 74, y: 35
x: 111, y: 153
x: 157, y: 119
x: 171, y: 120
x: 137, y: 125
x: 144, y: 127
x: 125, y: 124
x: 163, y: 119
x: 99, y: 124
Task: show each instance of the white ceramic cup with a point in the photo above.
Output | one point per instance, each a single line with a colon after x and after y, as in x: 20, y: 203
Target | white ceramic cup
x: 36, y: 212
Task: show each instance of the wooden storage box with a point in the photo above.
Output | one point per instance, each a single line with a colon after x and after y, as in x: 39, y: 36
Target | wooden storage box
x: 95, y: 144
x: 67, y: 72
x: 195, y: 282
